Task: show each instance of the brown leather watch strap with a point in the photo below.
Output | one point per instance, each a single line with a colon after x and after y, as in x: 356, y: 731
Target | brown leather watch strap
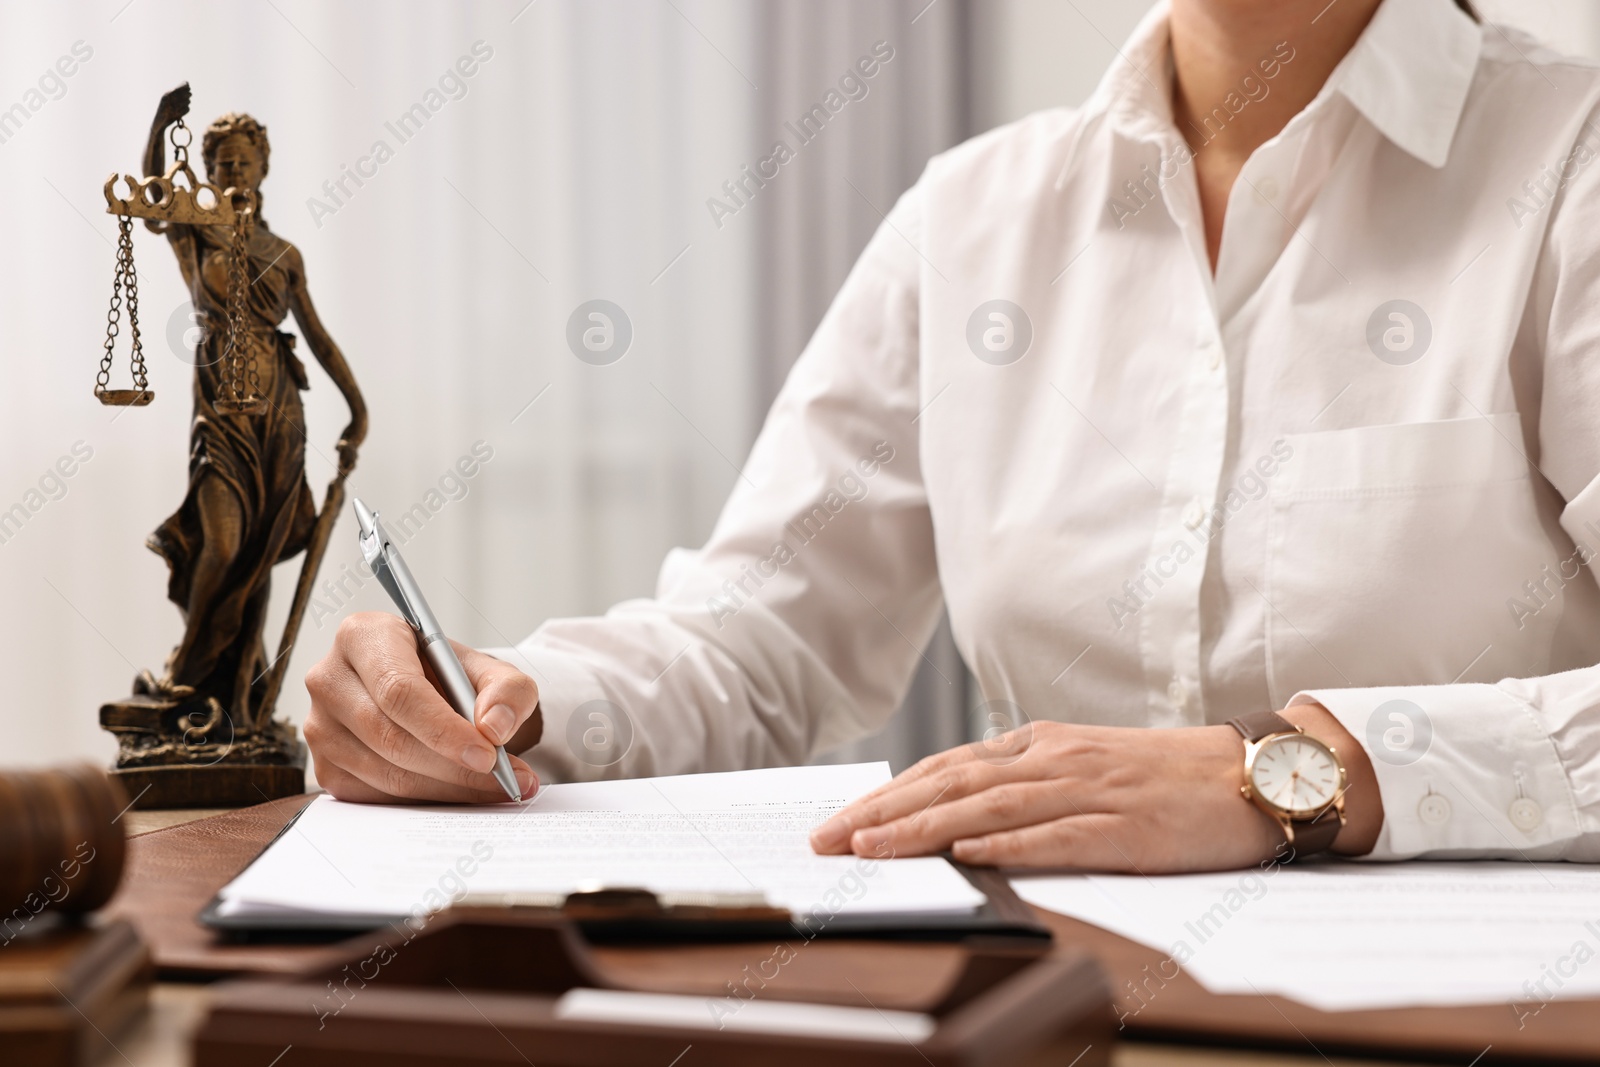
x: 1310, y: 835
x: 1317, y: 835
x: 1259, y: 724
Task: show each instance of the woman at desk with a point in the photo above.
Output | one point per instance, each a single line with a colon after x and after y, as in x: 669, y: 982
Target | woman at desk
x: 1254, y: 400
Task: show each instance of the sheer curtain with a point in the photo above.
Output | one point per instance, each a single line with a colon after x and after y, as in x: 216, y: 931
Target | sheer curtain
x: 818, y: 214
x: 571, y: 165
x: 574, y: 163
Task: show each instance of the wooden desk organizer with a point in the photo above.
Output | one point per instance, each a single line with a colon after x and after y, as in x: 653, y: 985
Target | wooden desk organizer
x: 480, y: 986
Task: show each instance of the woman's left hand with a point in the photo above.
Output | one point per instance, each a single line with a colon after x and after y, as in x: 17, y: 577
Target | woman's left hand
x: 1095, y: 797
x: 350, y: 443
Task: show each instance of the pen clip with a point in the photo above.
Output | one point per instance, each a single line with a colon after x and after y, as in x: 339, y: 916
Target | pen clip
x: 378, y: 551
x: 385, y: 575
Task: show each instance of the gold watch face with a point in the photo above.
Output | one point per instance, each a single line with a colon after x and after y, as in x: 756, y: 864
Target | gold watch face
x: 1296, y: 774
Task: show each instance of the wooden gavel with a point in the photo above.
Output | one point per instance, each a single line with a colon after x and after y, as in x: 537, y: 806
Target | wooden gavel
x: 61, y: 846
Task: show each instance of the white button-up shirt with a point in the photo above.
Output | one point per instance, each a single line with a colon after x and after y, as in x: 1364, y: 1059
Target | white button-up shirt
x: 1357, y: 465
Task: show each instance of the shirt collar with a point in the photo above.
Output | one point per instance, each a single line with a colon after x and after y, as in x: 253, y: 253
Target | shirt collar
x: 1410, y: 72
x: 1408, y: 75
x: 1136, y: 92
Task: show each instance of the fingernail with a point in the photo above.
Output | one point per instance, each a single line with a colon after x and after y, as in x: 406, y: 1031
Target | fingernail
x: 527, y: 781
x: 830, y: 834
x: 499, y: 721
x: 479, y: 757
x: 970, y: 850
x: 871, y: 841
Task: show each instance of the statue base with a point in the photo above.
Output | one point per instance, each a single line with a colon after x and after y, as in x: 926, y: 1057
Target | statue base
x: 184, y: 752
x: 235, y: 785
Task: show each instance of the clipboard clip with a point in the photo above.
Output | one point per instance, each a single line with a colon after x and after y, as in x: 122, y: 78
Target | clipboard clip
x: 604, y: 904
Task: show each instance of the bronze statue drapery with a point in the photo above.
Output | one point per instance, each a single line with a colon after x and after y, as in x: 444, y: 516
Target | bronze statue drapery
x: 248, y: 506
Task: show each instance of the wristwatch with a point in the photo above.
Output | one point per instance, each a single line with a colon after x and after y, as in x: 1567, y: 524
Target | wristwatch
x: 1294, y: 778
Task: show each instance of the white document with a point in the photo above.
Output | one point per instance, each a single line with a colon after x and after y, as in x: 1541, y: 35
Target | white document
x: 743, y: 832
x: 1345, y: 936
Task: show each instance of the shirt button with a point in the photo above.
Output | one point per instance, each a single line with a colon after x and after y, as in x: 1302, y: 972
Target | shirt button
x: 1178, y: 693
x: 1194, y: 514
x: 1213, y: 355
x: 1434, y: 810
x: 1525, y: 814
x: 1266, y: 190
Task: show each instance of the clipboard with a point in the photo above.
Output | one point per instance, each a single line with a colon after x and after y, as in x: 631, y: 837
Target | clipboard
x: 630, y: 915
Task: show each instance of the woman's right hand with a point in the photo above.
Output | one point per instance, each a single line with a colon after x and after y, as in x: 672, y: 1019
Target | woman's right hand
x: 174, y: 106
x: 381, y: 733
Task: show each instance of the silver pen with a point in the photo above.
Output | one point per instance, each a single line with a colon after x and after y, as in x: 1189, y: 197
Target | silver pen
x: 392, y: 573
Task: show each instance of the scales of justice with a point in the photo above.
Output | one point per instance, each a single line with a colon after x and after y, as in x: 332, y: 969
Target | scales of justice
x: 202, y: 732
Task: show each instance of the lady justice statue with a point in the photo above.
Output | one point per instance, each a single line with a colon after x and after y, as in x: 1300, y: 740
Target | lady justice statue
x: 202, y: 733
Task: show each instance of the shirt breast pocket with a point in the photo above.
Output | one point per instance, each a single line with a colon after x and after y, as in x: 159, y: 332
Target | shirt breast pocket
x: 1392, y: 552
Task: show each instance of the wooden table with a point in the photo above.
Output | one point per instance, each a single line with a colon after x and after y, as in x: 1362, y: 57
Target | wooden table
x: 161, y: 1038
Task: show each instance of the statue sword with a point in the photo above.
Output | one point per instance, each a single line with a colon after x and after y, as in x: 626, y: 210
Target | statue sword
x: 332, y: 504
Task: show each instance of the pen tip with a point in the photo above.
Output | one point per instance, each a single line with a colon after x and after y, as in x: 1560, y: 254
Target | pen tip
x: 363, y: 514
x: 505, y: 775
